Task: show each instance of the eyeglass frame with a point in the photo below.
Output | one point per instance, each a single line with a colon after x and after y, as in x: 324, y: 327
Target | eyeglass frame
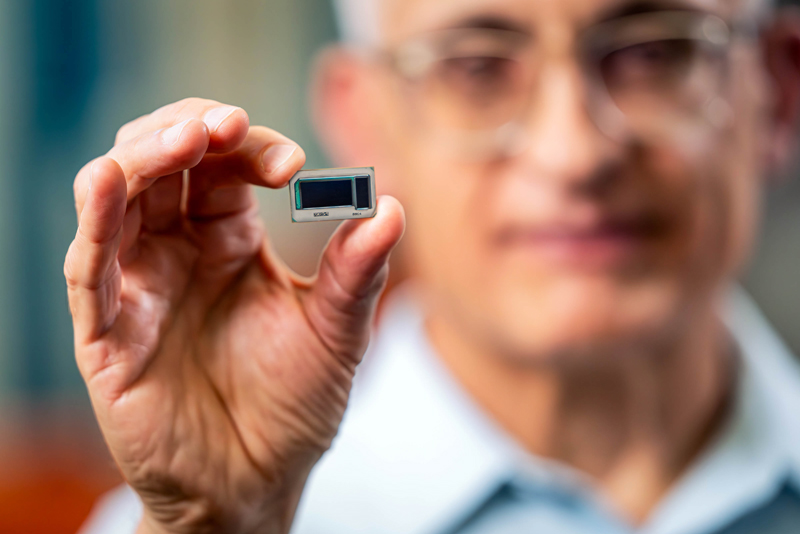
x: 413, y: 59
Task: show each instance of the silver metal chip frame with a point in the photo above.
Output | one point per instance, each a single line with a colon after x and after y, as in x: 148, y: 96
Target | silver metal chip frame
x: 332, y: 213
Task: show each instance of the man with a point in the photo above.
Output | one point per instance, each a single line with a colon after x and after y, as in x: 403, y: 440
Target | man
x: 582, y: 183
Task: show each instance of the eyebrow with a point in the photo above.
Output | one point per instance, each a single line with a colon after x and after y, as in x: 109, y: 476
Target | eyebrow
x: 489, y: 22
x: 635, y: 7
x: 638, y: 7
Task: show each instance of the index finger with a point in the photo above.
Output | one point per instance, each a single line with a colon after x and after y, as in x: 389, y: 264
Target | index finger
x: 227, y: 125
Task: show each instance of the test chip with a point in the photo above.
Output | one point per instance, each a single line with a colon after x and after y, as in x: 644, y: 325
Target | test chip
x: 333, y: 194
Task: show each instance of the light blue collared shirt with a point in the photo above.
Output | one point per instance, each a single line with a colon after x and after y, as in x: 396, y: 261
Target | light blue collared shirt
x: 415, y: 455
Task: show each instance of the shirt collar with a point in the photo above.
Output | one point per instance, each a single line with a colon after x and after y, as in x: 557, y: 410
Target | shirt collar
x: 416, y: 455
x: 413, y: 453
x: 756, y: 454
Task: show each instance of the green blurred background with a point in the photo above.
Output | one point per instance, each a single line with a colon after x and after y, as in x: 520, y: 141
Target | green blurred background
x: 71, y: 73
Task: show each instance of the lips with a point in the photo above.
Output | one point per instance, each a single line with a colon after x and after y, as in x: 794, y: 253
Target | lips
x: 602, y: 243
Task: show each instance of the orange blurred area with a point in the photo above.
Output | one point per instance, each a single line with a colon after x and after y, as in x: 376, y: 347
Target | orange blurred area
x: 54, y: 466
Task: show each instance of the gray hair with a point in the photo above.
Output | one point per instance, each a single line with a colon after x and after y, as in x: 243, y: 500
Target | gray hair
x: 359, y: 21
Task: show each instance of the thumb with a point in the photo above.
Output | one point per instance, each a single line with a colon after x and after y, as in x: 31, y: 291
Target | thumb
x: 352, y: 275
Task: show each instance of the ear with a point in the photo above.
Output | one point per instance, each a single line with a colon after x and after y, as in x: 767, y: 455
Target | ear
x: 781, y: 41
x: 342, y: 104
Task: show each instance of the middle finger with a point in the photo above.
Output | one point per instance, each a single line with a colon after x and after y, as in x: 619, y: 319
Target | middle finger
x: 220, y: 185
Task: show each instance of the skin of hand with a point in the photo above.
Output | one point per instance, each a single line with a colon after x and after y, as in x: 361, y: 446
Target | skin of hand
x: 217, y: 375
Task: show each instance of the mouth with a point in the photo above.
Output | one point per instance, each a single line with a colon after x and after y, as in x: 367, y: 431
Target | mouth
x: 601, y: 244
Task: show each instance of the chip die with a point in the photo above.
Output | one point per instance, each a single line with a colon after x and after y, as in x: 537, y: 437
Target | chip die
x: 333, y: 194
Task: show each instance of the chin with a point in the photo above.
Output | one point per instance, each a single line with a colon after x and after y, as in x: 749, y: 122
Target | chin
x: 584, y: 320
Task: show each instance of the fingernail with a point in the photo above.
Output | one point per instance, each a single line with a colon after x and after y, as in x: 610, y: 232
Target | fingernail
x: 217, y: 116
x: 171, y: 135
x: 91, y: 176
x: 275, y: 156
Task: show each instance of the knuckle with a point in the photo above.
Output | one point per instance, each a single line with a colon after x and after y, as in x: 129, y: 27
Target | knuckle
x: 194, y: 102
x: 130, y: 154
x: 128, y: 130
x: 179, y: 107
x: 128, y: 147
x: 192, y: 106
x: 69, y: 268
x: 135, y: 145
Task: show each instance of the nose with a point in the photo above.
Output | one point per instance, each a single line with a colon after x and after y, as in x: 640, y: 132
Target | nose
x: 564, y: 143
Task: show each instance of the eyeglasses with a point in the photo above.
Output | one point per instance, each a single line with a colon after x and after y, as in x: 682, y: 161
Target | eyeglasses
x: 652, y: 75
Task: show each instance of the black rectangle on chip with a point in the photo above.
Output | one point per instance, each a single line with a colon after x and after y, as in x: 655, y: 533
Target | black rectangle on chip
x: 326, y: 193
x: 362, y: 192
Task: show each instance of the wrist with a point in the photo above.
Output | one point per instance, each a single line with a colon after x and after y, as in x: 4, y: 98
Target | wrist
x: 268, y: 512
x: 274, y: 517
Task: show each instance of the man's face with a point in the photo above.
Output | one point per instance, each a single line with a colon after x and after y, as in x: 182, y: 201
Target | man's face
x: 578, y: 240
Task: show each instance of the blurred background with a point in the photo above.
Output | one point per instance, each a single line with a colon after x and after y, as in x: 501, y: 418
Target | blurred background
x: 71, y: 73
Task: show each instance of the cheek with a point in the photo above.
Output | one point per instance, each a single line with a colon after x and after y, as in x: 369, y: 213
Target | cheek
x: 726, y: 204
x: 712, y: 203
x: 446, y: 204
x: 740, y: 164
x: 742, y: 191
x: 444, y: 215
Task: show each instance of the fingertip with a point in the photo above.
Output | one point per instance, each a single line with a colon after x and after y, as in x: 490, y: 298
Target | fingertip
x: 191, y: 143
x: 186, y: 143
x: 106, y: 200
x: 375, y: 238
x: 228, y: 127
x: 106, y: 176
x: 384, y: 231
x: 391, y: 214
x: 280, y: 161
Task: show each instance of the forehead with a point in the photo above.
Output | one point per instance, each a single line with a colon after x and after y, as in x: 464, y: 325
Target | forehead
x: 406, y: 17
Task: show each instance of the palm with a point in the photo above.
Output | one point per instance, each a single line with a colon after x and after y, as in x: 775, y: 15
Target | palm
x: 216, y: 374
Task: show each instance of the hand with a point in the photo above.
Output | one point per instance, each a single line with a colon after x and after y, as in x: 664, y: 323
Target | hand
x: 218, y: 377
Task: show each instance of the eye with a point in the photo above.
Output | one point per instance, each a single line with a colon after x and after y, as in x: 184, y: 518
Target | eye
x: 479, y: 75
x: 649, y: 63
x: 484, y: 67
